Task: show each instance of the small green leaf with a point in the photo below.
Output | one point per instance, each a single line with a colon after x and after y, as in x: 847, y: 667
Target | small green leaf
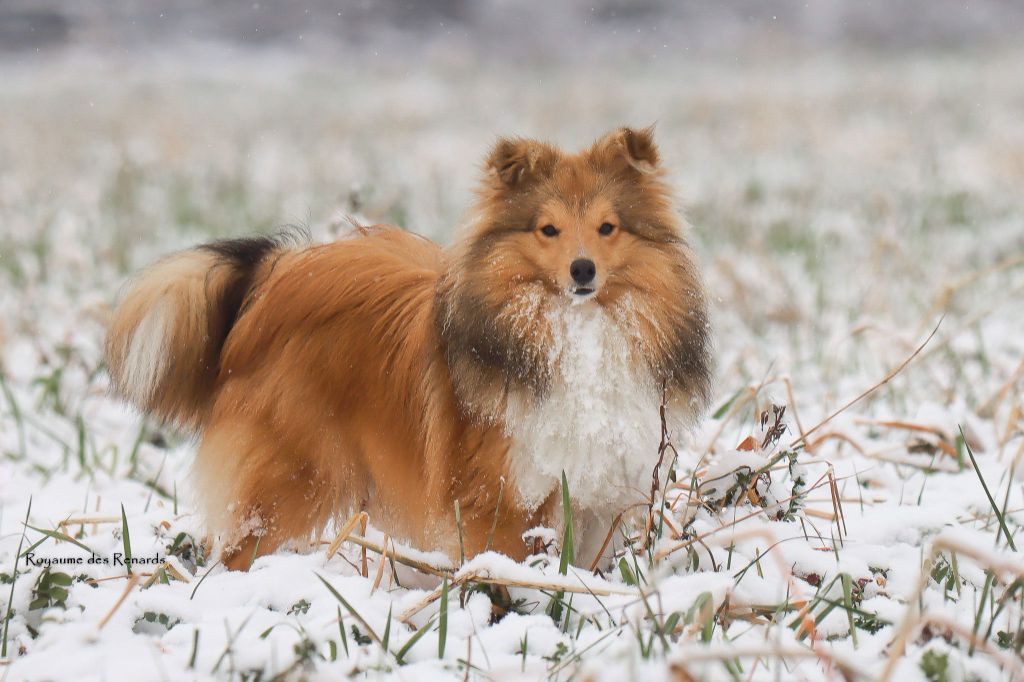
x: 724, y: 407
x: 698, y: 604
x: 670, y: 623
x: 627, y: 572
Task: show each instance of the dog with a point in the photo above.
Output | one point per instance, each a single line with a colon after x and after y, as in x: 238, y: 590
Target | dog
x: 382, y: 372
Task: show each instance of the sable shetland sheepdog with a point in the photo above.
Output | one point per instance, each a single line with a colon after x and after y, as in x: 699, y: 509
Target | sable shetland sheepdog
x: 382, y: 372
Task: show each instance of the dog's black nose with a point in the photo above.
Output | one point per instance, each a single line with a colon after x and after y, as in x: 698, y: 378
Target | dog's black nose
x: 583, y: 271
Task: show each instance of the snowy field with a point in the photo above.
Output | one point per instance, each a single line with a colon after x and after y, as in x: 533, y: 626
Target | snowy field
x: 843, y: 209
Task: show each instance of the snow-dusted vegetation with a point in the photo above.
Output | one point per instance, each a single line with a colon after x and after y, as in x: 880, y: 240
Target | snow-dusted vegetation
x: 859, y: 222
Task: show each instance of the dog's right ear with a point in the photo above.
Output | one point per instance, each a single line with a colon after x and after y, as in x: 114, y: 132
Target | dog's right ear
x: 517, y: 162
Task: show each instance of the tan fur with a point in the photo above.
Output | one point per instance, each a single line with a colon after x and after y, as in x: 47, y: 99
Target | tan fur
x: 371, y: 373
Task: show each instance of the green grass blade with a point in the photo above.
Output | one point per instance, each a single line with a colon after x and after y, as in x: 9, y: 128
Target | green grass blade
x: 80, y: 428
x: 443, y: 620
x: 14, y: 579
x: 400, y: 656
x: 724, y: 407
x: 568, y: 551
x: 991, y: 500
x: 386, y: 639
x: 351, y: 610
x: 848, y: 605
x: 341, y: 630
x: 981, y: 610
x: 195, y: 649
x: 208, y: 571
x: 56, y: 535
x: 126, y: 541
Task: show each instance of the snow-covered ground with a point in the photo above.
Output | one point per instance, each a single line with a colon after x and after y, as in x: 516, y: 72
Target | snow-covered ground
x: 842, y: 208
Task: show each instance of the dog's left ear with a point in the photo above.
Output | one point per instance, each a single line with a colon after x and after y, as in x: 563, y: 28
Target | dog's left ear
x: 634, y: 147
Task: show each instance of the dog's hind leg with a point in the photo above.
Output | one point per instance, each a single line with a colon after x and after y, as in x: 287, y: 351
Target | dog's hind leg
x: 273, y: 511
x: 259, y: 493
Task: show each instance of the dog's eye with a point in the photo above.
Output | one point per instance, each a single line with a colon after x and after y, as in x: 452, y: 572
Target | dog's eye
x: 549, y: 231
x: 605, y: 229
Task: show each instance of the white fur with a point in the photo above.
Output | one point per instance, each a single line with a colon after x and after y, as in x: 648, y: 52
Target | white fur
x: 145, y: 362
x: 599, y: 423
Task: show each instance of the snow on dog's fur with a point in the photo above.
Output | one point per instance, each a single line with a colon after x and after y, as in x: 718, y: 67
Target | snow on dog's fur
x: 384, y: 373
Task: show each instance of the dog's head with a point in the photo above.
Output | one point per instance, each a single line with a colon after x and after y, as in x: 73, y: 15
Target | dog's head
x: 594, y: 228
x: 582, y: 226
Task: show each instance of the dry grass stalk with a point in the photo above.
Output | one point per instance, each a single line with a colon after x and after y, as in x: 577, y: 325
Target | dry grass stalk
x: 837, y: 503
x: 989, y: 407
x: 987, y: 515
x: 792, y: 404
x: 396, y: 555
x: 888, y: 377
x: 610, y: 591
x: 81, y: 520
x: 945, y: 298
x: 812, y: 445
x: 170, y: 569
x: 345, y: 531
x: 972, y: 321
x: 97, y: 581
x: 364, y: 519
x: 485, y: 578
x: 908, y: 426
x: 380, y: 564
x: 604, y: 545
x: 916, y: 462
x: 1014, y: 424
x: 944, y: 439
x: 431, y: 597
x: 676, y: 532
x: 664, y: 446
x: 129, y: 586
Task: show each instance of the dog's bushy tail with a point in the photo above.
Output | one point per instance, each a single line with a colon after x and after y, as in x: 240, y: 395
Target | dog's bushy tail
x: 164, y: 342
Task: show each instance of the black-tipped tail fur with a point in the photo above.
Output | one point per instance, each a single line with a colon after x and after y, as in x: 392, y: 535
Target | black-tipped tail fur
x: 164, y: 342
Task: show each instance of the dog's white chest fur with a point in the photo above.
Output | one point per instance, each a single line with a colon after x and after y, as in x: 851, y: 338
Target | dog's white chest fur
x: 599, y: 423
